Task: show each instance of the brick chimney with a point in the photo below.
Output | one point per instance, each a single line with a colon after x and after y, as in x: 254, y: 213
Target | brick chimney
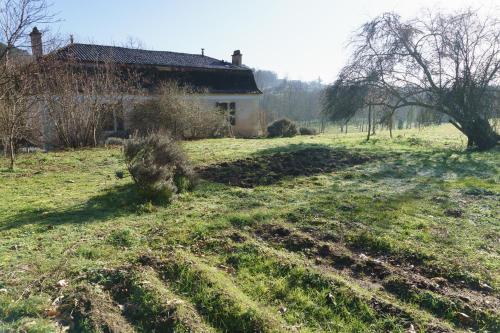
x: 36, y: 43
x: 237, y: 57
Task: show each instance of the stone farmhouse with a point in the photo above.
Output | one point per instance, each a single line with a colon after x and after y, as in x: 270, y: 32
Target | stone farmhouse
x: 229, y: 86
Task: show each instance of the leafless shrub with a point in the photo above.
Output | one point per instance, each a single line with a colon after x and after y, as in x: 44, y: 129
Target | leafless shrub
x: 78, y: 98
x: 178, y: 111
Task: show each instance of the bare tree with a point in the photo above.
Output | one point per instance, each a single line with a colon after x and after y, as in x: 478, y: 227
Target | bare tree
x: 17, y: 112
x: 17, y: 17
x: 446, y: 63
x: 344, y: 99
x: 133, y: 43
x: 387, y: 119
x: 16, y: 93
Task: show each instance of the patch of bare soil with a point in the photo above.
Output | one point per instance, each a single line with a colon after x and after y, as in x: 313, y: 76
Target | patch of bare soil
x: 465, y: 307
x: 269, y: 169
x: 92, y: 309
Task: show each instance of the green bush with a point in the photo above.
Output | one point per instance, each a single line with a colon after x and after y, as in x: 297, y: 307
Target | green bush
x: 307, y: 131
x: 282, y: 128
x: 121, y: 238
x: 158, y: 166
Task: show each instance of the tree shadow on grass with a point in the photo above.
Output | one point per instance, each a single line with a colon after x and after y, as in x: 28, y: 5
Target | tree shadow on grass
x: 269, y: 166
x: 119, y: 201
x: 439, y: 164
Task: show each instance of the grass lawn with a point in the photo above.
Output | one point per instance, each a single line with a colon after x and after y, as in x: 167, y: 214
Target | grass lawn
x: 389, y: 235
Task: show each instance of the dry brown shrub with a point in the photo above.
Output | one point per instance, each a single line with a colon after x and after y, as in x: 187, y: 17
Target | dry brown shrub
x: 158, y: 166
x: 178, y: 111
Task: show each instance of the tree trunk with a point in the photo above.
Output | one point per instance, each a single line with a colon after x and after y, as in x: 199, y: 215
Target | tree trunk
x: 369, y: 122
x: 12, y: 155
x: 5, y: 145
x: 94, y: 136
x: 390, y: 127
x: 479, y: 134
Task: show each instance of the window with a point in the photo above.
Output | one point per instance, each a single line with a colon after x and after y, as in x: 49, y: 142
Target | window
x: 113, y: 117
x: 231, y: 107
x: 221, y: 106
x: 232, y: 113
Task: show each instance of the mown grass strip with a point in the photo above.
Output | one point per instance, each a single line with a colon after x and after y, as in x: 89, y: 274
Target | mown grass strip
x: 402, y: 286
x: 310, y: 299
x: 216, y: 297
x: 158, y: 309
x: 350, y: 300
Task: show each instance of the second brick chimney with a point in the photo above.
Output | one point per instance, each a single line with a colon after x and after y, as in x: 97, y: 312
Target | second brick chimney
x: 237, y: 57
x: 36, y: 43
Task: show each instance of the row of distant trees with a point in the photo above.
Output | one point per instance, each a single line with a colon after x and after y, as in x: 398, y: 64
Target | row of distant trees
x: 294, y: 99
x: 305, y: 102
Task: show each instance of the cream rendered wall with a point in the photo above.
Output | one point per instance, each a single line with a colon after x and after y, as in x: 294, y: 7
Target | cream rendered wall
x: 247, y: 111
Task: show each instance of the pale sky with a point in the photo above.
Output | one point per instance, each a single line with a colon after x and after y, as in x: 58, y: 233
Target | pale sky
x: 300, y: 39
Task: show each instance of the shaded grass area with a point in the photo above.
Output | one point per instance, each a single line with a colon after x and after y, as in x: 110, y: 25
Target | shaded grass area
x: 417, y: 202
x: 118, y: 201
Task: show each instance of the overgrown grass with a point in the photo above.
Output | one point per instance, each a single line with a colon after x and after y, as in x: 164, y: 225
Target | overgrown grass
x: 422, y: 201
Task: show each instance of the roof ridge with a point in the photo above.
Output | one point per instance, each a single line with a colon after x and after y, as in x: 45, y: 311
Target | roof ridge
x: 125, y: 55
x: 138, y: 49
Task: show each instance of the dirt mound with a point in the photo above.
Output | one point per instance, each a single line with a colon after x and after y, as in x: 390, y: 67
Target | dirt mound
x: 292, y: 240
x: 269, y: 169
x: 93, y: 309
x: 438, y: 295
